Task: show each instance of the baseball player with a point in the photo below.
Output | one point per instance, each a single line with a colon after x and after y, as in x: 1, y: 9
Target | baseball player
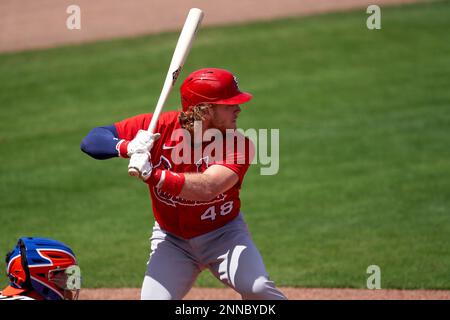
x: 198, y: 222
x: 41, y: 269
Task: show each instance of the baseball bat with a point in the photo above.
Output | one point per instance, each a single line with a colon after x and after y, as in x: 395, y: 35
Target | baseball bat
x: 182, y: 49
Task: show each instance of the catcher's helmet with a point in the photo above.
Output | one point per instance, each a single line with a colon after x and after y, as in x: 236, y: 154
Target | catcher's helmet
x: 211, y: 85
x: 45, y: 266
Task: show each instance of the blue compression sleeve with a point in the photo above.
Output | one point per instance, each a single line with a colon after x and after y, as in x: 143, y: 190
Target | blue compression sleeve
x: 100, y: 143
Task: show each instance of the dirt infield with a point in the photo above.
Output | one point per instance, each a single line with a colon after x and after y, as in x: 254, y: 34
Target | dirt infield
x: 291, y: 293
x: 28, y: 24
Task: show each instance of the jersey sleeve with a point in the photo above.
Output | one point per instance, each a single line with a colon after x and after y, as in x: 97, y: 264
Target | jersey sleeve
x: 100, y: 143
x: 238, y: 156
x: 128, y: 128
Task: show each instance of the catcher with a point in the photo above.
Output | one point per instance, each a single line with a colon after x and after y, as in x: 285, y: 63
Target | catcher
x: 194, y: 188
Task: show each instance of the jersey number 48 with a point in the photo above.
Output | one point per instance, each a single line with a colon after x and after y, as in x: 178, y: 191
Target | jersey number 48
x: 210, y: 213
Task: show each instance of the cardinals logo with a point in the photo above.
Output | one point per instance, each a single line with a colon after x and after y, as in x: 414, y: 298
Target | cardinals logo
x: 171, y: 200
x: 164, y: 164
x: 202, y: 164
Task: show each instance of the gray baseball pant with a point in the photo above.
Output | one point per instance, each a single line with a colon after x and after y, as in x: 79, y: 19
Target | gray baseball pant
x: 228, y: 252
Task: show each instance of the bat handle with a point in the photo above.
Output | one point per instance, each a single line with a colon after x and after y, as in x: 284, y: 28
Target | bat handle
x: 133, y: 172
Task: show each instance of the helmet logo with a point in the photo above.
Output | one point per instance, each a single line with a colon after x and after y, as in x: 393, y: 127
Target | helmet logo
x: 236, y: 82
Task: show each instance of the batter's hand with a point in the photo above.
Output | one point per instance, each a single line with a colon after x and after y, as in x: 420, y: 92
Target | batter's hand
x: 140, y: 161
x: 143, y: 142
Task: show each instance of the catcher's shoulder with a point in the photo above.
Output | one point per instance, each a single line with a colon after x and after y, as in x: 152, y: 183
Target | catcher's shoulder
x: 2, y: 297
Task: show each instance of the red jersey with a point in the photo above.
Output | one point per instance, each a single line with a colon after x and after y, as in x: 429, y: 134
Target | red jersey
x: 187, y: 218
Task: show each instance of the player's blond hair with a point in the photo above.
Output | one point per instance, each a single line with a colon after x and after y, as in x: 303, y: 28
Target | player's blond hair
x: 197, y: 113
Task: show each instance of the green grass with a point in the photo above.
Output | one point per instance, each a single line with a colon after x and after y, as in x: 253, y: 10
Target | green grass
x: 364, y: 119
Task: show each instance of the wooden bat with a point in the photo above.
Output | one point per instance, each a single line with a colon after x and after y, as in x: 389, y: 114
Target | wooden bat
x: 182, y: 49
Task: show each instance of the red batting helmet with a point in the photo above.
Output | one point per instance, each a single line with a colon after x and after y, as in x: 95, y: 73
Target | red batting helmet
x: 211, y: 85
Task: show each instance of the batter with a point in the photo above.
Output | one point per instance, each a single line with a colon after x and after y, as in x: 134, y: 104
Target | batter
x: 196, y: 204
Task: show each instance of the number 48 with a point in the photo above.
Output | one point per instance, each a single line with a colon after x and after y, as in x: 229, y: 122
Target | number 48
x: 210, y: 213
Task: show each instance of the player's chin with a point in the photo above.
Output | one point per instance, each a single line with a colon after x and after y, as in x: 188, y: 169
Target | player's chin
x: 233, y: 125
x: 229, y: 126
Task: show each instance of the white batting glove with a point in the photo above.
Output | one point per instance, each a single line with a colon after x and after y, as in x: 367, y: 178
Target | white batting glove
x: 140, y: 161
x: 143, y: 142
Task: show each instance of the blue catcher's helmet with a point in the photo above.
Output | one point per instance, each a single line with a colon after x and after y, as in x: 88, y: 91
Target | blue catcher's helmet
x: 45, y: 266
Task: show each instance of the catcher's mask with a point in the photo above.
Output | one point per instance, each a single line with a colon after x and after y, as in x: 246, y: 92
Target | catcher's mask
x: 46, y: 266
